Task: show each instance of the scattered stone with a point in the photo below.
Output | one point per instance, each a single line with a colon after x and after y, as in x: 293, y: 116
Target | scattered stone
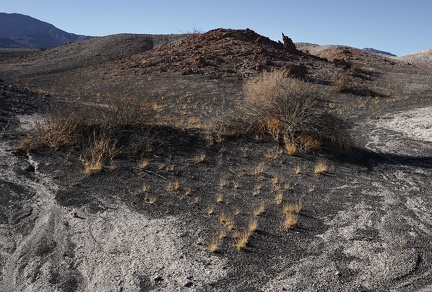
x: 188, y: 284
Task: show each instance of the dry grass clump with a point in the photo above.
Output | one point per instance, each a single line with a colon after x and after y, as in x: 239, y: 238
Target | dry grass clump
x: 56, y: 129
x: 320, y: 167
x: 288, y: 111
x: 260, y: 209
x: 253, y: 225
x: 291, y: 213
x: 101, y: 148
x: 100, y: 132
x: 242, y: 239
x: 142, y: 164
x: 279, y: 197
x: 213, y: 246
x: 200, y: 158
x: 228, y: 221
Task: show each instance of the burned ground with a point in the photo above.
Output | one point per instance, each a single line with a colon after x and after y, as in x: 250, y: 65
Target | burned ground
x: 364, y: 222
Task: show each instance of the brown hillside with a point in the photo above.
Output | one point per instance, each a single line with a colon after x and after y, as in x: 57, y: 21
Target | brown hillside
x: 222, y: 52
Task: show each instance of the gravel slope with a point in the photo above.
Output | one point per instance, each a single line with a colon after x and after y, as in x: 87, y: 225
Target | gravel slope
x: 422, y: 57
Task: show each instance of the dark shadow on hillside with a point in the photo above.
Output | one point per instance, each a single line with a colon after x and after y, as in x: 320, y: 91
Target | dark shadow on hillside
x: 362, y: 91
x: 371, y: 159
x: 364, y: 74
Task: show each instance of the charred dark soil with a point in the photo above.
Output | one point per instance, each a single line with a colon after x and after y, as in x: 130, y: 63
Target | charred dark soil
x: 176, y: 206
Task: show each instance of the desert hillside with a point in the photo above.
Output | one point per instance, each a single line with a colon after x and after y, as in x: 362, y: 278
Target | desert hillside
x: 218, y: 161
x: 422, y: 57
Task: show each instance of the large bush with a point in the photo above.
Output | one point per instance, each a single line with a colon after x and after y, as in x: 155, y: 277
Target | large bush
x: 288, y: 111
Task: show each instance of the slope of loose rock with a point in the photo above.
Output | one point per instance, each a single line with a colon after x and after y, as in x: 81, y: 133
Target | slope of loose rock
x: 223, y: 52
x: 94, y: 51
x: 422, y: 57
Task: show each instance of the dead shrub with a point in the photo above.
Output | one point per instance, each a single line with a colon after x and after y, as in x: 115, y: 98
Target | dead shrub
x: 100, y: 148
x: 288, y: 111
x: 56, y: 129
x: 126, y: 111
x: 101, y: 132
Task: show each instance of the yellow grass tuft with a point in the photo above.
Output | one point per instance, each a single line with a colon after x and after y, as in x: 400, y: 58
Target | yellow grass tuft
x: 210, y: 210
x: 142, y: 164
x: 91, y: 167
x: 222, y: 234
x: 260, y: 209
x: 213, y: 246
x: 257, y: 190
x: 200, y: 158
x: 173, y: 186
x: 253, y: 225
x: 100, y: 150
x: 291, y: 213
x: 150, y: 199
x: 309, y: 143
x: 223, y: 183
x: 259, y: 169
x: 242, y: 240
x: 291, y: 148
x: 320, y: 167
x: 279, y: 197
x: 290, y: 221
x: 229, y: 223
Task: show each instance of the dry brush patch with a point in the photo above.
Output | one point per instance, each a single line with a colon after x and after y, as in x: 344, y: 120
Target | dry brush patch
x: 287, y: 111
x: 291, y: 212
x: 100, y: 132
x: 100, y: 149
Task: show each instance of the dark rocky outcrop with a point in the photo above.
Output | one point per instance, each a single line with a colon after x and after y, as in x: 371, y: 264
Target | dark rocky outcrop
x: 288, y: 43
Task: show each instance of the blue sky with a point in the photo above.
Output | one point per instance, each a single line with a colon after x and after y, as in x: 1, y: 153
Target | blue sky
x: 400, y: 27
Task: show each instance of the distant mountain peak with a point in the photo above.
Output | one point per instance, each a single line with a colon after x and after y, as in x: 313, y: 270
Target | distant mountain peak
x: 375, y: 51
x: 23, y: 31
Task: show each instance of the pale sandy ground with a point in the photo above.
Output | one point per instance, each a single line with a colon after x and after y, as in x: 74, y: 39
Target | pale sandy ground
x: 414, y: 124
x: 109, y: 249
x: 421, y: 57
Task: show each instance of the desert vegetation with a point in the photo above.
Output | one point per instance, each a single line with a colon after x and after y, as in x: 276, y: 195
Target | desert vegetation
x: 101, y: 132
x: 287, y: 111
x: 278, y: 110
x: 276, y: 107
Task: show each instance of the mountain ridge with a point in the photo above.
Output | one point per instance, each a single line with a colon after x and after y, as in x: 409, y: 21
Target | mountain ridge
x: 375, y: 51
x: 23, y: 31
